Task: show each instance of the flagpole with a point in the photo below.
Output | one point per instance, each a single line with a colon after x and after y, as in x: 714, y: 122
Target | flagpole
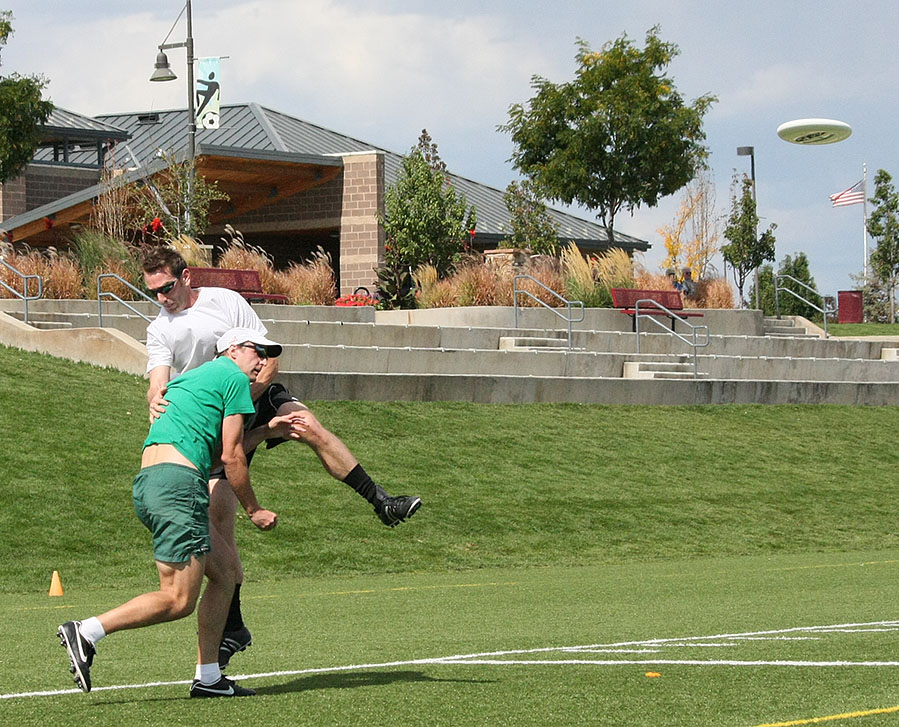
x: 865, y: 215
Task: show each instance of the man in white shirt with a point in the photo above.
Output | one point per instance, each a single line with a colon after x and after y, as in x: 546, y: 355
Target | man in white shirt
x: 182, y: 337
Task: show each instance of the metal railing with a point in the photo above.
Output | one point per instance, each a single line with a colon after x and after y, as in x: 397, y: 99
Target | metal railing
x: 693, y: 341
x: 568, y: 303
x: 823, y: 310
x: 109, y: 294
x: 24, y: 296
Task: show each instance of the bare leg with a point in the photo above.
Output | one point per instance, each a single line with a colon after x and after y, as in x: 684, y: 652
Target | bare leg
x: 222, y: 513
x: 335, y: 456
x: 179, y: 588
x: 213, y: 610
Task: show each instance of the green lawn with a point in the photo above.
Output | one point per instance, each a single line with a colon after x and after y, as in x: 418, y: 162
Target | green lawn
x: 544, y: 527
x: 528, y: 646
x: 863, y: 329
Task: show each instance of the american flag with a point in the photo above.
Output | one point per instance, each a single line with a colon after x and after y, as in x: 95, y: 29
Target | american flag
x: 854, y: 195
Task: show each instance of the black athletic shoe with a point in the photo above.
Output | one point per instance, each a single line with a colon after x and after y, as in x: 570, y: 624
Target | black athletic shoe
x: 81, y: 653
x: 232, y: 642
x: 224, y: 687
x: 394, y: 510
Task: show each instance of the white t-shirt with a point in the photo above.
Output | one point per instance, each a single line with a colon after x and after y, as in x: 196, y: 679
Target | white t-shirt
x: 187, y: 339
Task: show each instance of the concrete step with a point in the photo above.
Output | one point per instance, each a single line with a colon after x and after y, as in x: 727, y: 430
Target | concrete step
x: 50, y: 325
x: 516, y: 343
x: 659, y: 370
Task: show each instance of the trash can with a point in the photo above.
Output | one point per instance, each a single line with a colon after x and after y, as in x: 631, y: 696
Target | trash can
x: 849, y: 306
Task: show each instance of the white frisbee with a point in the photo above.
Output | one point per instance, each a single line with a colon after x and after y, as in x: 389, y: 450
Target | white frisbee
x: 809, y: 132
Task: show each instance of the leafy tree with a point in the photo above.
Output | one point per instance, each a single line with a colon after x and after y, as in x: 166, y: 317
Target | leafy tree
x: 22, y: 111
x: 616, y: 137
x: 747, y: 250
x: 692, y: 240
x: 173, y: 203
x: 883, y: 225
x: 796, y: 267
x: 426, y: 221
x: 532, y: 225
x: 875, y: 300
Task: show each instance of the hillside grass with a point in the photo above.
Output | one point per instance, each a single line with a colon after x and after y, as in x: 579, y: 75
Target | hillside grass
x: 503, y: 486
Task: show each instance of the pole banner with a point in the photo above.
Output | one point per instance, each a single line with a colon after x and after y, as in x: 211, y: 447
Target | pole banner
x: 208, y: 93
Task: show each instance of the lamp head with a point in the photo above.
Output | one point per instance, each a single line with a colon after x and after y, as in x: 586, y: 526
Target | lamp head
x: 745, y: 151
x: 163, y: 71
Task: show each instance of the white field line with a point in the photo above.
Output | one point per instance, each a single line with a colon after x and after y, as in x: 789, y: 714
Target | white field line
x: 496, y: 657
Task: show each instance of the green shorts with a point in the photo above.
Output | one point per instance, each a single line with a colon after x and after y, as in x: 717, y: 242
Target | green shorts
x: 172, y: 500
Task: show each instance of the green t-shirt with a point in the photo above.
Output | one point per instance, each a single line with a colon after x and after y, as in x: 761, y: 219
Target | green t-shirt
x: 199, y: 400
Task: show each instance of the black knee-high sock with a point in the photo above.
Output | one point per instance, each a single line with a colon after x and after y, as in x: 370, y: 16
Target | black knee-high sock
x: 359, y: 480
x: 235, y: 618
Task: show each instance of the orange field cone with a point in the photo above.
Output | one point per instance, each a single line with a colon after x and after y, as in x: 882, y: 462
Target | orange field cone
x: 55, y: 584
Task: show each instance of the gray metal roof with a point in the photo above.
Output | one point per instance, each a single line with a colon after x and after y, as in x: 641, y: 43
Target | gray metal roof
x: 255, y: 128
x: 68, y: 124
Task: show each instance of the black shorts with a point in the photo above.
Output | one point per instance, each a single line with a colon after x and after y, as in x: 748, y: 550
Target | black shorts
x: 267, y: 407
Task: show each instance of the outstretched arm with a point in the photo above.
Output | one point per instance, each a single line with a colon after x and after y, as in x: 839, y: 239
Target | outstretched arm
x: 238, y: 474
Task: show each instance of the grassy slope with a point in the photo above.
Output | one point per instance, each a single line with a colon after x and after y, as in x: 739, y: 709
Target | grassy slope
x: 530, y: 485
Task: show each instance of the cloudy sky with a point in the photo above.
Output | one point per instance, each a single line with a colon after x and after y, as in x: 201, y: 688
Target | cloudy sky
x: 382, y: 70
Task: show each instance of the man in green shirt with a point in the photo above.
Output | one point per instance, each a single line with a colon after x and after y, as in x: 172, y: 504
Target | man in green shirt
x: 206, y: 413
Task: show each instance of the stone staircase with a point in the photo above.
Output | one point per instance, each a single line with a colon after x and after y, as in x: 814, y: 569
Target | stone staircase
x: 479, y: 355
x: 681, y: 368
x: 534, y: 340
x: 785, y: 328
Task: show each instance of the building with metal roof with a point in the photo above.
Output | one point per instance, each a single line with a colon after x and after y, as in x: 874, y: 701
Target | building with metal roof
x: 292, y: 185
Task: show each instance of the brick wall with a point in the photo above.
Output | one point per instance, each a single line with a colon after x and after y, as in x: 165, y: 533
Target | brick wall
x: 317, y: 208
x: 45, y: 183
x: 361, y: 237
x: 12, y: 198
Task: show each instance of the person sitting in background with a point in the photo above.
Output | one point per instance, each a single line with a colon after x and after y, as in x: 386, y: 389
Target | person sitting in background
x: 688, y: 285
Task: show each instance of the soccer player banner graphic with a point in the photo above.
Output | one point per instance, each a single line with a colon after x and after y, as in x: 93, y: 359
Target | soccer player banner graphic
x: 208, y: 93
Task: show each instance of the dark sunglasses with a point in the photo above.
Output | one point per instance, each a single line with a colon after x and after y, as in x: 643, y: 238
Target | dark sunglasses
x: 261, y: 351
x: 164, y: 289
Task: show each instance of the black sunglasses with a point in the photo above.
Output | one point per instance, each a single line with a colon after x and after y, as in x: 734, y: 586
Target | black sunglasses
x: 164, y: 289
x: 261, y: 351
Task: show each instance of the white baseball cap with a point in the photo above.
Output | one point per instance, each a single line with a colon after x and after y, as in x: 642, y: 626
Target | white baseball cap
x: 237, y: 336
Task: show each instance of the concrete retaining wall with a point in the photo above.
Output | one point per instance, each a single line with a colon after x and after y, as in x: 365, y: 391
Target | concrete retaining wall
x: 519, y: 390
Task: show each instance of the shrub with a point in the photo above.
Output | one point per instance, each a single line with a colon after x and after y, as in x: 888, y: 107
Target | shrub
x: 194, y: 254
x: 63, y: 278
x: 478, y: 283
x: 615, y: 269
x: 716, y: 293
x: 582, y: 278
x: 432, y: 292
x: 97, y: 253
x: 241, y: 256
x: 308, y: 283
x: 548, y: 273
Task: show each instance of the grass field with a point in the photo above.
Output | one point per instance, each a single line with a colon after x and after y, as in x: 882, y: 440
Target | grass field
x: 747, y: 555
x: 738, y: 641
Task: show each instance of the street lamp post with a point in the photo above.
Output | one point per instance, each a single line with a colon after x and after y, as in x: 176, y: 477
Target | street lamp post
x: 163, y: 72
x: 749, y: 151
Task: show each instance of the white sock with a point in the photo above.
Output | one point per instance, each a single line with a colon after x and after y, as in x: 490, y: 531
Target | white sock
x: 92, y: 629
x: 208, y: 673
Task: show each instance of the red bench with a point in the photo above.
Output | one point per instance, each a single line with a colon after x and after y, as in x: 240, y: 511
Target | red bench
x: 626, y: 300
x: 246, y: 282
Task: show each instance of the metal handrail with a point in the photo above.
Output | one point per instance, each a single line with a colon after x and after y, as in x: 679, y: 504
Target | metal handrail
x: 108, y: 294
x: 692, y: 341
x: 569, y: 319
x: 777, y: 288
x: 24, y: 294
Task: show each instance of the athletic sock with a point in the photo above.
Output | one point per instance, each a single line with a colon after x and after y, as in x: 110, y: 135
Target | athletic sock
x: 208, y: 674
x: 359, y: 480
x: 235, y: 618
x: 92, y: 629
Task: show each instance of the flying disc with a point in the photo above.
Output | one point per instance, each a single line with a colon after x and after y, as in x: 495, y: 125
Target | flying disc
x: 809, y: 132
